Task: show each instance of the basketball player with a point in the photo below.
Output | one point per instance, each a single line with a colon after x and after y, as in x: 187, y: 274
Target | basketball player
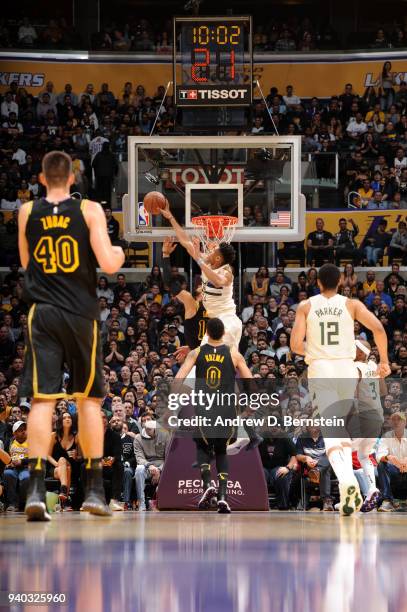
x: 370, y: 415
x: 217, y: 281
x: 326, y: 322
x: 196, y: 317
x: 61, y: 242
x: 195, y: 322
x: 216, y: 365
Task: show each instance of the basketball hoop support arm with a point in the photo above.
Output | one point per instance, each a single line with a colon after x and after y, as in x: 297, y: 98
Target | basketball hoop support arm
x: 161, y: 105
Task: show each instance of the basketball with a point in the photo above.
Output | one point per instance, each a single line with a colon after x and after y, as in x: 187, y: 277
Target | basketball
x: 154, y: 202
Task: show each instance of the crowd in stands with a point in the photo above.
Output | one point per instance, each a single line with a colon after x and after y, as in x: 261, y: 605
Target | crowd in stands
x: 142, y: 327
x: 141, y: 35
x: 369, y: 134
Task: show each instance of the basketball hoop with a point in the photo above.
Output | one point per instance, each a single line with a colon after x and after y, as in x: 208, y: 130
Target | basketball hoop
x: 214, y: 229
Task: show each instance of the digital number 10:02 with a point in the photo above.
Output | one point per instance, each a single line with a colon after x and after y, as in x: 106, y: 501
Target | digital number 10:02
x: 222, y: 35
x: 201, y: 65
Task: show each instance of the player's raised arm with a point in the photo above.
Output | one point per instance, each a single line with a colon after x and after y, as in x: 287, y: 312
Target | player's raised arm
x: 367, y: 318
x: 181, y: 234
x: 188, y: 364
x: 298, y: 333
x: 175, y: 286
x: 110, y: 258
x: 22, y: 238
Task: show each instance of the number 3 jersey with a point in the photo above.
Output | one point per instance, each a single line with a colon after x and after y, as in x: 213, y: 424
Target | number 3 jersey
x: 62, y: 266
x: 330, y: 330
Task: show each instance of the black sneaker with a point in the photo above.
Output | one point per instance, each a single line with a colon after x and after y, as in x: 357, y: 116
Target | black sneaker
x: 206, y: 500
x: 36, y: 507
x: 223, y: 507
x: 95, y: 499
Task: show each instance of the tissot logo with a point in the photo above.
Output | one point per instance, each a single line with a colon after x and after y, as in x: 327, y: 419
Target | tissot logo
x: 222, y: 94
x: 212, y: 94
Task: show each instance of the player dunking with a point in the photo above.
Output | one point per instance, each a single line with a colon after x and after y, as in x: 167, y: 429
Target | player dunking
x: 370, y: 416
x: 326, y: 322
x: 61, y: 242
x: 216, y: 365
x: 217, y: 281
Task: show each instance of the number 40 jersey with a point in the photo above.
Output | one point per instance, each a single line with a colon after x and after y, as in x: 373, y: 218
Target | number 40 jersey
x: 330, y: 330
x: 62, y: 267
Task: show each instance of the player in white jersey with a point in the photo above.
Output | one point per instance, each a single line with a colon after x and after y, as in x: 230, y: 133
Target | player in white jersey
x: 217, y: 281
x: 370, y: 416
x: 325, y: 323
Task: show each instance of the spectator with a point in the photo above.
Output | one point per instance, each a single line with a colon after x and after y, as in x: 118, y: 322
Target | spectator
x: 16, y: 474
x: 113, y: 226
x: 398, y: 244
x: 26, y: 33
x: 64, y: 456
x: 345, y: 245
x: 286, y: 42
x: 377, y: 244
x: 105, y: 168
x: 277, y: 454
x: 319, y: 245
x: 128, y: 458
x: 392, y: 457
x: 311, y: 452
x: 150, y: 447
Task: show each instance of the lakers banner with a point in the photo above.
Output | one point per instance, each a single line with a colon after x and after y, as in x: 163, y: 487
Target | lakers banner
x: 314, y: 77
x: 367, y: 222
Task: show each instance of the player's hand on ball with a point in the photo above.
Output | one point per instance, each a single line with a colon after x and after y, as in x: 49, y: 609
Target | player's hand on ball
x: 169, y: 246
x: 383, y: 370
x: 166, y: 210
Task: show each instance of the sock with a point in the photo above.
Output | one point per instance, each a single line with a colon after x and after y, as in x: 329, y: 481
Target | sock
x: 36, y: 465
x: 340, y: 466
x: 93, y: 463
x: 368, y: 470
x: 223, y: 483
x: 206, y: 475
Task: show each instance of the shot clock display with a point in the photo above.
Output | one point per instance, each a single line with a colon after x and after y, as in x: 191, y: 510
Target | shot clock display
x: 215, y: 55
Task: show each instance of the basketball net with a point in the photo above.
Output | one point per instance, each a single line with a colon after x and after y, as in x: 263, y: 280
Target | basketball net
x: 214, y: 229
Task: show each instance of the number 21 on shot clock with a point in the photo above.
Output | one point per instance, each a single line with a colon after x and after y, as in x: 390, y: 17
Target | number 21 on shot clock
x: 215, y: 58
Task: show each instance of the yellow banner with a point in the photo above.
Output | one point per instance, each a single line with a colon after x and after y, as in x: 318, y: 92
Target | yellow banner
x: 367, y: 222
x: 313, y: 78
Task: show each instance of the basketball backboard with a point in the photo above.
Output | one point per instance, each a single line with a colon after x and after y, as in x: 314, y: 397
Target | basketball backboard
x: 255, y: 178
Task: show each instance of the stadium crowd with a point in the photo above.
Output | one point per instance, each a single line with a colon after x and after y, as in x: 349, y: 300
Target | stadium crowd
x: 141, y: 35
x: 142, y: 327
x: 368, y: 132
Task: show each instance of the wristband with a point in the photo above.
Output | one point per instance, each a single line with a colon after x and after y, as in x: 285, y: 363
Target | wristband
x: 200, y: 261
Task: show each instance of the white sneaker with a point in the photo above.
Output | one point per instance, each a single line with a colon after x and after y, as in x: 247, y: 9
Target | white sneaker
x: 236, y: 447
x: 350, y: 498
x: 115, y: 506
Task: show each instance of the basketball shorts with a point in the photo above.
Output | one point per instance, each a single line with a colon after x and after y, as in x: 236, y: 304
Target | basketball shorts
x: 58, y: 339
x: 332, y: 385
x: 233, y: 330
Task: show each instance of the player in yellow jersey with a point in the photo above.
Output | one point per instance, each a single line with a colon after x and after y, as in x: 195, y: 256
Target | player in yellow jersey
x: 61, y: 242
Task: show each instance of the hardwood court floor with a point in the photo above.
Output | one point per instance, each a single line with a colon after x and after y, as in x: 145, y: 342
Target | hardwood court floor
x: 200, y: 562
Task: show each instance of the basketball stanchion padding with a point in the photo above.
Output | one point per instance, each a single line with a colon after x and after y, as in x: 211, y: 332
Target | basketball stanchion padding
x: 180, y: 486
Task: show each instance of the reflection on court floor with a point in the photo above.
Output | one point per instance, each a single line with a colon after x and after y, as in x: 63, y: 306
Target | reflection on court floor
x: 195, y: 562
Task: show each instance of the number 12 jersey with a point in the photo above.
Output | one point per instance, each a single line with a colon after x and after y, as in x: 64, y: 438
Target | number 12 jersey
x: 330, y: 330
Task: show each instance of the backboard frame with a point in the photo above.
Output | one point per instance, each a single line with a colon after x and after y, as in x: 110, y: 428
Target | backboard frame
x: 135, y: 232
x: 191, y: 187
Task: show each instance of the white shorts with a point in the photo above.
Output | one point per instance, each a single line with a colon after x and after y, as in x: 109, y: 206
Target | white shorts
x: 233, y: 330
x: 332, y: 381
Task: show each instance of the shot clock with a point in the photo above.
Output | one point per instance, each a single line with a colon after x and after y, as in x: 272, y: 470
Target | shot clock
x: 215, y: 57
